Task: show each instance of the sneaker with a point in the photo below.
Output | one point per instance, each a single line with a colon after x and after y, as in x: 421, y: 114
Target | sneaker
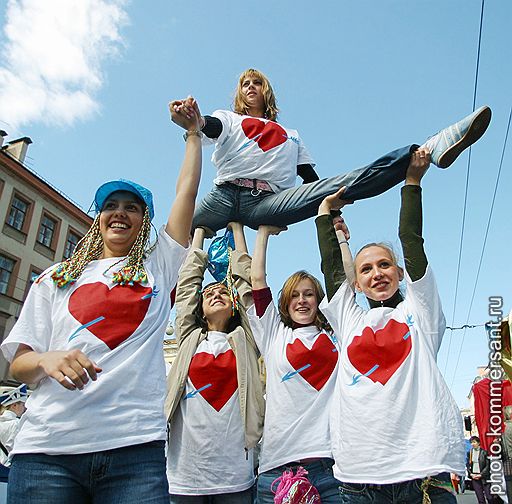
x: 446, y: 145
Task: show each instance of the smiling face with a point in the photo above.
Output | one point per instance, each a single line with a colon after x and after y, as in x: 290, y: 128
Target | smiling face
x: 303, y: 305
x: 377, y: 274
x: 217, y: 307
x: 120, y: 222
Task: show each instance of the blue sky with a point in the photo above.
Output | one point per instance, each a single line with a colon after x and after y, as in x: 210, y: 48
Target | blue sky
x: 89, y: 82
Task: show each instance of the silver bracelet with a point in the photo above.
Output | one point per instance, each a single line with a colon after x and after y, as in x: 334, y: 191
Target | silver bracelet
x: 343, y: 241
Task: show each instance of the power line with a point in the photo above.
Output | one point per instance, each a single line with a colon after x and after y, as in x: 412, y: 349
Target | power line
x: 459, y: 260
x: 465, y: 326
x: 485, y: 237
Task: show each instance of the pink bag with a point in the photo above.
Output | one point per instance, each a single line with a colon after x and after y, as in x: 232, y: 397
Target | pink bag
x: 295, y: 488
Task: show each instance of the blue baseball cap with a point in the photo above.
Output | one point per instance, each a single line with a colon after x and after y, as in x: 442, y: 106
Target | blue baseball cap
x: 106, y: 189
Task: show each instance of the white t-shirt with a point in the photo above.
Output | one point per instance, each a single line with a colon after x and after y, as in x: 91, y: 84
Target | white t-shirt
x: 9, y: 425
x: 121, y: 328
x: 393, y: 418
x: 301, y: 369
x: 207, y: 441
x: 254, y: 148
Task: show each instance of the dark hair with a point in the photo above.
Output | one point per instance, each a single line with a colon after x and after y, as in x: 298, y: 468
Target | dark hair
x: 201, y: 321
x: 474, y: 438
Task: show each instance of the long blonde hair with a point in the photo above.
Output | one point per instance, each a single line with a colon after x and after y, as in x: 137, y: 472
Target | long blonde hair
x: 240, y: 105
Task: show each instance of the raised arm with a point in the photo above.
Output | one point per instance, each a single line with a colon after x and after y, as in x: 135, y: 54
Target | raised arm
x: 259, y: 258
x: 190, y: 282
x: 411, y: 216
x: 180, y: 218
x: 331, y: 248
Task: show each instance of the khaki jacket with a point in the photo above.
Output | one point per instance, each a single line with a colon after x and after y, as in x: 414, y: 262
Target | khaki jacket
x: 189, y: 335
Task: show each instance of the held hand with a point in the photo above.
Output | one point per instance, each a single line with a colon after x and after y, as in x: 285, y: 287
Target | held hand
x: 418, y: 166
x: 333, y: 202
x: 235, y: 226
x: 69, y: 368
x: 268, y: 230
x: 183, y: 113
x: 340, y: 225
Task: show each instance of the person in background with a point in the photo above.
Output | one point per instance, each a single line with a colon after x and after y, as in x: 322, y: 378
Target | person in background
x: 506, y: 442
x: 479, y: 470
x: 12, y: 402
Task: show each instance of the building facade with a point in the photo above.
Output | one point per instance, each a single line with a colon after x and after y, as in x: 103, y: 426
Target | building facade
x: 39, y: 226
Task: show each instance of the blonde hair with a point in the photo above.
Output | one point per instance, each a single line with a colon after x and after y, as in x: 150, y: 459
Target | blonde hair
x: 90, y: 248
x: 285, y: 297
x: 240, y: 104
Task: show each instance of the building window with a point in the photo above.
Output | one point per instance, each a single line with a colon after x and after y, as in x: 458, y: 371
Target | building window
x: 71, y: 242
x: 46, y: 231
x: 33, y: 276
x: 17, y: 213
x: 6, y: 269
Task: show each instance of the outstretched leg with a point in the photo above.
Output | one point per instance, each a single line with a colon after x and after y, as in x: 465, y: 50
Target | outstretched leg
x: 299, y: 203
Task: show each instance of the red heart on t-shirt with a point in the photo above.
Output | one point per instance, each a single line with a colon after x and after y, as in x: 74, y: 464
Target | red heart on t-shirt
x: 266, y: 135
x: 322, y: 359
x: 123, y: 308
x: 384, y: 350
x: 216, y: 374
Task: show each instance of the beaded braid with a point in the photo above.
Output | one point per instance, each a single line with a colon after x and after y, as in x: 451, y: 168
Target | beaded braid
x: 228, y: 281
x: 90, y: 247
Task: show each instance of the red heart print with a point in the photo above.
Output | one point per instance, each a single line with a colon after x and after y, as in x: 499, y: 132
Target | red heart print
x: 123, y: 308
x: 322, y: 359
x: 386, y: 348
x: 266, y: 135
x: 216, y: 374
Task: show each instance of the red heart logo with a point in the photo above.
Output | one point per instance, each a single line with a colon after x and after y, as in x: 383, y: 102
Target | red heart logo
x: 266, y: 135
x: 216, y: 376
x: 112, y: 315
x: 315, y: 365
x: 379, y: 354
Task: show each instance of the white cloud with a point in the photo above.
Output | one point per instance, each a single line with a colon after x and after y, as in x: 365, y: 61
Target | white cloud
x: 52, y: 58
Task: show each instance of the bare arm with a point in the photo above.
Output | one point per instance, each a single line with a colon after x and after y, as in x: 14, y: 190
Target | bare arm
x: 259, y: 259
x: 239, y: 236
x: 70, y: 368
x: 180, y: 218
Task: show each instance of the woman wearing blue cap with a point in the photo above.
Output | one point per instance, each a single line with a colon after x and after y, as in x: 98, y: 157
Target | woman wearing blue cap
x: 90, y: 335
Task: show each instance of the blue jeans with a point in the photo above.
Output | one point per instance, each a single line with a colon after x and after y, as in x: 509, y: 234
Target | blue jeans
x: 227, y: 202
x: 245, y: 497
x: 406, y: 492
x: 129, y: 475
x: 319, y: 473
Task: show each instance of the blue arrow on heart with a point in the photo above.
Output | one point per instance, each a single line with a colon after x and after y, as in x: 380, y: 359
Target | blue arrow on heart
x: 356, y: 378
x: 291, y: 374
x: 192, y: 394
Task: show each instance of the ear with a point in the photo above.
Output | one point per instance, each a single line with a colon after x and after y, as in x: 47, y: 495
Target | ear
x: 357, y: 286
x: 400, y: 273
